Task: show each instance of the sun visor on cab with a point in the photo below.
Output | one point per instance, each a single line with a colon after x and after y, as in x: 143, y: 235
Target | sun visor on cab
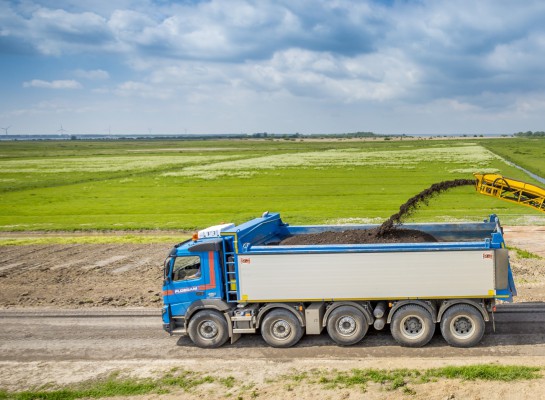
x: 209, y: 245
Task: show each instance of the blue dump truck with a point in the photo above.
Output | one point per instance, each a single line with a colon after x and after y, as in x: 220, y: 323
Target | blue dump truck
x: 229, y: 280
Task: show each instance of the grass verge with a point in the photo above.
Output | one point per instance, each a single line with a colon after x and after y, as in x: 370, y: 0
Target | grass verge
x: 524, y: 253
x: 115, y: 239
x: 400, y: 378
x: 188, y: 381
x: 114, y: 386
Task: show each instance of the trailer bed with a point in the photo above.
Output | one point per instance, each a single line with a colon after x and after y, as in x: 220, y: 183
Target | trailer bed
x: 367, y: 276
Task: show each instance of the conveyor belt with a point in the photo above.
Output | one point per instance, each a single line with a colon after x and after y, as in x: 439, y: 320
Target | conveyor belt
x: 511, y: 190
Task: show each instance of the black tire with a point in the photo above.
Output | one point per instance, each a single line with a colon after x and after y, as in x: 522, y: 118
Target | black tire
x: 412, y: 326
x: 462, y: 325
x: 347, y: 325
x: 280, y: 328
x: 208, y: 329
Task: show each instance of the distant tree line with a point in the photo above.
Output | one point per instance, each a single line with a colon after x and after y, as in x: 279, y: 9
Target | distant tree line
x: 530, y: 134
x: 319, y: 135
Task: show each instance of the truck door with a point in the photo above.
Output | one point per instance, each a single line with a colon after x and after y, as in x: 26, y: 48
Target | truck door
x: 193, y: 277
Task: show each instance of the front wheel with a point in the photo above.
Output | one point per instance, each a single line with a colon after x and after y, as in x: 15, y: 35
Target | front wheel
x: 412, y: 326
x: 462, y: 325
x: 208, y: 329
x: 347, y: 325
x: 280, y: 328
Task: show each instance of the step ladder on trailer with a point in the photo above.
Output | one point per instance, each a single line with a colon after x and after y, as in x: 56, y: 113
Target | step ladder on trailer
x: 512, y: 190
x: 230, y: 263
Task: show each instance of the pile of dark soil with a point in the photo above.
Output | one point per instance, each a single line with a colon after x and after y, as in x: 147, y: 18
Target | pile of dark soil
x: 358, y: 236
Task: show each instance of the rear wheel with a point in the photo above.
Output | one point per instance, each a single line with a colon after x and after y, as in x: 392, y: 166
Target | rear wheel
x: 347, y: 325
x: 280, y: 328
x: 412, y: 326
x: 208, y: 329
x: 462, y: 325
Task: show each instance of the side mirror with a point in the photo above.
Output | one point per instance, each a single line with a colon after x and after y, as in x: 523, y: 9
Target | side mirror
x: 166, y: 271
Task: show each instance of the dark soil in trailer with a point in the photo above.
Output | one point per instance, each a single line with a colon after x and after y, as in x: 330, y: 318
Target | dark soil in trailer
x: 359, y: 236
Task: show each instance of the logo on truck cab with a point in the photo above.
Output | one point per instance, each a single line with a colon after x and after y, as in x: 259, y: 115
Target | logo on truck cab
x: 245, y: 260
x: 488, y: 255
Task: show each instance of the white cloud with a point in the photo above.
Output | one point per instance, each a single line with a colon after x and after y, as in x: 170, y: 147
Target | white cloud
x: 144, y: 90
x: 59, y: 84
x: 379, y: 77
x: 94, y: 74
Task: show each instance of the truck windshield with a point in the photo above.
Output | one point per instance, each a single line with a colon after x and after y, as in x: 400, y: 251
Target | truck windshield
x: 186, y: 268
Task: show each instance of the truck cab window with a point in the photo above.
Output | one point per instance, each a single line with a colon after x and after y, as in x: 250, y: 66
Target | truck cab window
x: 186, y: 268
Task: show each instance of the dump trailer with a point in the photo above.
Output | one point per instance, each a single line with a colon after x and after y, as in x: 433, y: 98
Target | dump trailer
x: 229, y: 280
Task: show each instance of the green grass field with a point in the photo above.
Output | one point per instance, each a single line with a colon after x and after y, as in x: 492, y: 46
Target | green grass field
x: 124, y: 185
x: 528, y: 153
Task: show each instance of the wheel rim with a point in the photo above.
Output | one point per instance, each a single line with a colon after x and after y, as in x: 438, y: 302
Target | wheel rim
x: 281, y: 329
x: 412, y: 327
x: 462, y: 327
x: 346, y: 325
x: 208, y: 329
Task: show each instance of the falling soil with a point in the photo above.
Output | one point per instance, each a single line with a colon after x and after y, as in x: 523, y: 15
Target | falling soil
x: 388, y: 231
x: 359, y: 236
x: 414, y: 202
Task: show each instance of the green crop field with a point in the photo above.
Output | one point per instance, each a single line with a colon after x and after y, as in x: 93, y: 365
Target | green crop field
x: 528, y: 153
x: 126, y: 185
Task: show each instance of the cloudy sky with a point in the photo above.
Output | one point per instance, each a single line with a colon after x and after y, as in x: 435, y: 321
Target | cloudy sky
x: 232, y: 66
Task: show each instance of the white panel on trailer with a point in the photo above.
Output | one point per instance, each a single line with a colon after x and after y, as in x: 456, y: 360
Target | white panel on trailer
x: 437, y: 274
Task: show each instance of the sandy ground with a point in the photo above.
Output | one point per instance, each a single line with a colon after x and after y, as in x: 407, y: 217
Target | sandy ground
x: 59, y: 351
x: 120, y: 275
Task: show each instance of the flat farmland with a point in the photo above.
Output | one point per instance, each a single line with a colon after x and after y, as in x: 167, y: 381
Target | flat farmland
x: 165, y: 185
x: 528, y: 153
x: 93, y: 221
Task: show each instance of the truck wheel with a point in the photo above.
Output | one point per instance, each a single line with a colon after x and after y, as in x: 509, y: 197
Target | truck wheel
x: 280, y: 328
x: 347, y: 325
x: 462, y: 325
x: 412, y: 326
x: 208, y: 329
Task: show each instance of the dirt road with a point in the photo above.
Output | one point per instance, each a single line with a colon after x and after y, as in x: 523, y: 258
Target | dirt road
x: 120, y: 335
x: 65, y: 346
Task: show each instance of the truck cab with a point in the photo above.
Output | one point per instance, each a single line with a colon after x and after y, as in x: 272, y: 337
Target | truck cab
x: 192, y: 276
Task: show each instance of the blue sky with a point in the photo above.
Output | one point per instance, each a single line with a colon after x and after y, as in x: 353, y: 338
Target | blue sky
x: 232, y: 66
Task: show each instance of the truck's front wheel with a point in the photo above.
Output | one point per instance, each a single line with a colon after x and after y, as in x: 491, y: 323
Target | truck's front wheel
x: 347, y: 325
x: 208, y: 329
x: 280, y: 328
x: 462, y: 325
x: 412, y: 326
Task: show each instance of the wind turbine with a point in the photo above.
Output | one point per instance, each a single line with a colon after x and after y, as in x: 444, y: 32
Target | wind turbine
x: 62, y: 130
x: 6, y: 129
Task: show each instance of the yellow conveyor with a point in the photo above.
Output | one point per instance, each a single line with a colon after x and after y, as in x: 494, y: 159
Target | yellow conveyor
x: 511, y: 190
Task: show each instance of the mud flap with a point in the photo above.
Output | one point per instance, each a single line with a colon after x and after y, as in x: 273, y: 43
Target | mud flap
x: 493, y: 322
x: 234, y: 336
